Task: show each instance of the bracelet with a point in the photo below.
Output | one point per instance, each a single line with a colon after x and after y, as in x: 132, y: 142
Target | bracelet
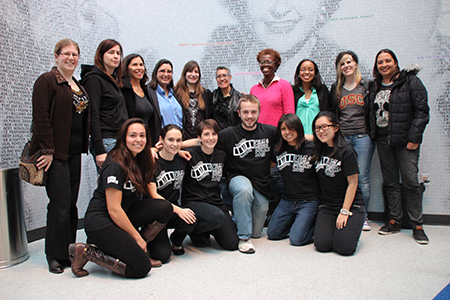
x: 346, y: 212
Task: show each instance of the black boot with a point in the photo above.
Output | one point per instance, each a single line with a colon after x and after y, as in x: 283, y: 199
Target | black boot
x: 81, y: 253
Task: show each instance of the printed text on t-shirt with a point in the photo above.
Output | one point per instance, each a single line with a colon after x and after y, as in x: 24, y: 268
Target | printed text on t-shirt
x: 330, y: 165
x: 299, y: 162
x: 351, y: 99
x: 245, y: 146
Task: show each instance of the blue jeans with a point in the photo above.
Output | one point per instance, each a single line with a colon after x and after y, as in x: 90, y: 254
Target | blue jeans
x: 249, y: 207
x: 364, y: 147
x: 296, y: 218
x: 396, y: 162
x: 108, y: 143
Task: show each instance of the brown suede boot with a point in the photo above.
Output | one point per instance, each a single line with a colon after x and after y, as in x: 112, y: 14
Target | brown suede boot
x: 151, y: 230
x: 148, y: 233
x: 81, y: 253
x: 155, y: 263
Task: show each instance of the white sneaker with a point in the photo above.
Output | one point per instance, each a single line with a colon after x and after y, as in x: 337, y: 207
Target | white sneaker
x: 246, y: 246
x: 366, y: 226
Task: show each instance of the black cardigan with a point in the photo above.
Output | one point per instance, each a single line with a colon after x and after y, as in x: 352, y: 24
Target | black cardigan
x: 322, y: 93
x: 130, y: 102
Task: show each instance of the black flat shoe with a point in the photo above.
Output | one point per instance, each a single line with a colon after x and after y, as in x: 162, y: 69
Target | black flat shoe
x: 55, y: 266
x: 175, y: 251
x: 178, y: 251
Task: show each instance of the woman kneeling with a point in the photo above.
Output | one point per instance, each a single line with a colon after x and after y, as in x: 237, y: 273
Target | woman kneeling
x: 121, y: 204
x: 341, y: 212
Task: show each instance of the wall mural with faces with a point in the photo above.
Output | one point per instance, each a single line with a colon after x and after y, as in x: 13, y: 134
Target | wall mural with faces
x: 229, y: 33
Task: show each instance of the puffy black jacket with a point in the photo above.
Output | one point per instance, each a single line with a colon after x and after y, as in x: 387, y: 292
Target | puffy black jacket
x: 408, y: 110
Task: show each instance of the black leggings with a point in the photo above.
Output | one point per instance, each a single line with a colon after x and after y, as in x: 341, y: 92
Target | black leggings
x: 215, y: 220
x: 343, y: 241
x: 119, y: 244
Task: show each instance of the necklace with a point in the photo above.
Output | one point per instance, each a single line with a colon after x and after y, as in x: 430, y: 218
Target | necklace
x: 204, y: 156
x: 80, y: 101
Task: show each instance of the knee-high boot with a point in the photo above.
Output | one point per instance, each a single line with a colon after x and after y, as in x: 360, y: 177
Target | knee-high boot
x: 148, y: 233
x: 151, y: 230
x: 81, y: 253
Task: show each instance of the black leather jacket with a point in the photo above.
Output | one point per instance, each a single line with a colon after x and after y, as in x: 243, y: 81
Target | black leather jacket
x: 233, y: 116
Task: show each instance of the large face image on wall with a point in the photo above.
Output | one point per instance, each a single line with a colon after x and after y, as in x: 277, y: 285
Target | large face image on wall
x: 229, y: 33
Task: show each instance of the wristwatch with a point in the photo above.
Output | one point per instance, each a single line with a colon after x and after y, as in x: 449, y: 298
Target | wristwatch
x: 346, y: 212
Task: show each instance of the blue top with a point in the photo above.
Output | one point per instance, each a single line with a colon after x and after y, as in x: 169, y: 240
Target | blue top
x: 307, y: 111
x: 170, y: 108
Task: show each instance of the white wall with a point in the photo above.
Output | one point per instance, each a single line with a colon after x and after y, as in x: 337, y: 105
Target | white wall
x: 227, y: 33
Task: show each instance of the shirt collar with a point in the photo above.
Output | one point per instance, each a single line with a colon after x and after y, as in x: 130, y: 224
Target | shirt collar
x: 59, y: 77
x: 162, y: 92
x: 275, y: 78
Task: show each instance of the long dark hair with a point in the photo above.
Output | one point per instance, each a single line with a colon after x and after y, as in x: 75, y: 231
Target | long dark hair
x: 182, y: 90
x: 126, y: 62
x: 339, y: 140
x: 102, y: 48
x: 292, y: 122
x: 376, y: 74
x: 317, y: 81
x: 139, y: 170
x: 154, y: 82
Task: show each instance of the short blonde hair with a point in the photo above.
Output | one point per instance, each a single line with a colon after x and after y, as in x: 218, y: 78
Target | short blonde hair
x: 251, y: 99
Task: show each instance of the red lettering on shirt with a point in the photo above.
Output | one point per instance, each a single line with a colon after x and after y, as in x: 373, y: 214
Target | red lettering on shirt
x: 351, y: 99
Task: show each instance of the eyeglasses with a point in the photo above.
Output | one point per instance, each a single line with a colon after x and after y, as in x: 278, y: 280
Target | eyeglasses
x: 67, y: 54
x: 263, y: 63
x: 323, y: 127
x: 222, y: 76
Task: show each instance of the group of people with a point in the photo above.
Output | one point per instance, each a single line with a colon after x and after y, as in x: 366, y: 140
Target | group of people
x: 303, y: 145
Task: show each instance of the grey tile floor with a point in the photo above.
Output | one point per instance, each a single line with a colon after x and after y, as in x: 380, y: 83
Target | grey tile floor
x: 384, y: 267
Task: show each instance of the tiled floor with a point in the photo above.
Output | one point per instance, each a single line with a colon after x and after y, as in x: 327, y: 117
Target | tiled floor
x: 384, y: 267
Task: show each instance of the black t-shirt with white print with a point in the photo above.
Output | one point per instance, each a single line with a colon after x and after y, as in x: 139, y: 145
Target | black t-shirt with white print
x: 111, y: 176
x: 300, y: 181
x: 333, y: 173
x: 169, y: 177
x: 203, y: 175
x: 249, y: 153
x: 381, y: 107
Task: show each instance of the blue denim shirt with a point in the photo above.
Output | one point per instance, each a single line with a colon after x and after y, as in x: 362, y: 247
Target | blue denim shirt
x: 170, y: 108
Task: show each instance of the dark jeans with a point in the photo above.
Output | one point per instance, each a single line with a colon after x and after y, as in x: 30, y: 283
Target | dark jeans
x: 343, y: 241
x: 216, y: 221
x: 294, y: 218
x: 63, y: 183
x: 396, y: 163
x: 119, y: 244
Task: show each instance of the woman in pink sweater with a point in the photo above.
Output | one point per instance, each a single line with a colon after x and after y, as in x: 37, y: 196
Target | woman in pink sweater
x: 275, y: 94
